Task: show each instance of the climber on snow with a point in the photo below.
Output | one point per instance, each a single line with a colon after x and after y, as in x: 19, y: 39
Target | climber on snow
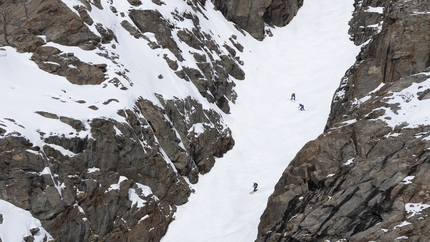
x: 301, y: 107
x: 255, y: 186
x: 293, y: 96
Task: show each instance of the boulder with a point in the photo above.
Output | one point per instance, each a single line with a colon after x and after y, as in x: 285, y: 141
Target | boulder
x: 52, y: 60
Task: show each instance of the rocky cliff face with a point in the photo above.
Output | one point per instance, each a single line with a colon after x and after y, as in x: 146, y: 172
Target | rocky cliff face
x: 253, y: 16
x: 366, y: 177
x: 119, y: 178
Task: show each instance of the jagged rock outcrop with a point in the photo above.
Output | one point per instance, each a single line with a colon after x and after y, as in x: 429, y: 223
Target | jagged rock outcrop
x: 96, y: 202
x: 400, y: 49
x: 196, y: 128
x: 253, y: 15
x: 213, y: 76
x: 23, y: 23
x: 52, y: 60
x: 365, y: 178
x: 152, y: 21
x: 94, y: 182
x: 350, y: 184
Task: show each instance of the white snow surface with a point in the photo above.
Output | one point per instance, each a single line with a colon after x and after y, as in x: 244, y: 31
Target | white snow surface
x: 402, y: 224
x: 415, y: 208
x: 17, y: 223
x: 308, y: 57
x: 413, y: 112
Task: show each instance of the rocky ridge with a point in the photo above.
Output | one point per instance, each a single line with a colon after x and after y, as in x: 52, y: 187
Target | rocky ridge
x: 365, y: 178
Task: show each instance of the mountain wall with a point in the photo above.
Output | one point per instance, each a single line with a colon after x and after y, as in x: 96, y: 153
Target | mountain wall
x: 365, y: 178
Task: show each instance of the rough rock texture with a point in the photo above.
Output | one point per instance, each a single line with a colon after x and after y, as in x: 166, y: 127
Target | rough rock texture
x: 75, y: 202
x: 122, y: 180
x: 321, y: 196
x: 196, y: 128
x: 253, y: 15
x: 90, y: 189
x: 358, y: 180
x: 152, y: 21
x: 23, y: 22
x: 400, y: 49
x: 52, y: 60
x: 217, y: 65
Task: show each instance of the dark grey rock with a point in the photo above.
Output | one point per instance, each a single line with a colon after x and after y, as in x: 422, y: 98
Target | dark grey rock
x: 253, y: 15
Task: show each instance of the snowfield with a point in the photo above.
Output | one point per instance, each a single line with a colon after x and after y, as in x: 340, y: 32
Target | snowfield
x: 308, y: 57
x: 17, y: 224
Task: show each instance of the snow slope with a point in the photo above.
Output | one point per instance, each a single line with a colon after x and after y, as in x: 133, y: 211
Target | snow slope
x: 307, y: 57
x: 17, y: 224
